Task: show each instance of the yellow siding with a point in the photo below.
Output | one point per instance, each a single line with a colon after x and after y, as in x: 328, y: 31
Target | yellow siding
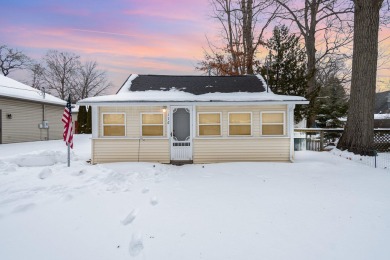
x: 234, y: 150
x: 133, y: 118
x: 255, y: 115
x: 205, y: 150
x: 130, y: 150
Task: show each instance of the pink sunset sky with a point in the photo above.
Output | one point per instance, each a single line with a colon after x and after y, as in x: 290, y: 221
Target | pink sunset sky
x: 124, y: 37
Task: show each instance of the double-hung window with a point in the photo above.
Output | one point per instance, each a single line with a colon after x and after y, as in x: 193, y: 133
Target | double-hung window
x: 209, y: 124
x: 114, y: 124
x: 273, y: 123
x: 152, y: 124
x: 240, y: 124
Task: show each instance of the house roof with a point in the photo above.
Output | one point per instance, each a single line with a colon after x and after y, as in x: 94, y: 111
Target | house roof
x: 381, y: 105
x: 15, y: 89
x: 196, y: 85
x: 164, y: 88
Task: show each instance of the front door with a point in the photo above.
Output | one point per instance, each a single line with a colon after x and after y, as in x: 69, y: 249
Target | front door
x: 181, y: 133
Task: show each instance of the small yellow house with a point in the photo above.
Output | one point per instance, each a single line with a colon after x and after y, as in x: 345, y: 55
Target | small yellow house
x: 199, y: 119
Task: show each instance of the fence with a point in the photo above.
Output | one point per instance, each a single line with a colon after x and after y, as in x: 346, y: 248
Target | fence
x: 325, y: 139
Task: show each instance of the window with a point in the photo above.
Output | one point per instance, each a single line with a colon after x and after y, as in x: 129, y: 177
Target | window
x: 152, y: 124
x: 114, y: 124
x: 272, y: 123
x: 240, y: 124
x: 209, y: 124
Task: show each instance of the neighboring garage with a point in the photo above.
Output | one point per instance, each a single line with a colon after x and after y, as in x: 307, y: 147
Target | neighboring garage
x: 27, y: 114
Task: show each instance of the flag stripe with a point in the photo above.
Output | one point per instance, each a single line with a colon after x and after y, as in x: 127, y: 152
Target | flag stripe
x: 68, y: 125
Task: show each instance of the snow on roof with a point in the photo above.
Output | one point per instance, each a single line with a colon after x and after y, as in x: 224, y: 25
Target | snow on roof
x: 381, y: 116
x: 75, y: 108
x: 125, y: 94
x: 16, y: 89
x: 127, y: 85
x: 180, y: 96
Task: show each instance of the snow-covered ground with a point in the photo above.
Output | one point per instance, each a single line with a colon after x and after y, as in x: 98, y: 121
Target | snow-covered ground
x: 320, y: 207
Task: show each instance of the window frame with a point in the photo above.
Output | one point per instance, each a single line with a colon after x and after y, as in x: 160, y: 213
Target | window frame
x: 250, y: 124
x: 124, y: 124
x: 273, y: 112
x: 163, y: 124
x: 198, y: 124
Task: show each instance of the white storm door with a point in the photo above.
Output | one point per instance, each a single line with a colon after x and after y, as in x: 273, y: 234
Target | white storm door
x: 181, y: 133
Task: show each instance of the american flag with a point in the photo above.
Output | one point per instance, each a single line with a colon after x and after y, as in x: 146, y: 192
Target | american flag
x: 68, y: 125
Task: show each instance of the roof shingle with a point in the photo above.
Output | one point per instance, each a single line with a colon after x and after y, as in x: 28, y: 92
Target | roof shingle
x: 198, y: 85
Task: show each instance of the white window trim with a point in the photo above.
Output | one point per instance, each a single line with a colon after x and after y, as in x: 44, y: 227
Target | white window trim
x: 220, y: 124
x: 251, y: 123
x: 103, y: 124
x: 273, y: 112
x: 163, y: 125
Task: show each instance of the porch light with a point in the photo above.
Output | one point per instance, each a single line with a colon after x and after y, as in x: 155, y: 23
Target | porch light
x: 164, y: 109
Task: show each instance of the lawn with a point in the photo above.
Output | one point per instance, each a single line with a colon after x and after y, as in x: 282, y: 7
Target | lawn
x: 320, y: 207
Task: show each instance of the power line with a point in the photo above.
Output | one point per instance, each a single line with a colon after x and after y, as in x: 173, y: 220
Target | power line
x: 33, y: 90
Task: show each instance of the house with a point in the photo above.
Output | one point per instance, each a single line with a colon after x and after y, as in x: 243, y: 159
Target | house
x: 75, y: 112
x: 382, y: 110
x: 199, y: 119
x: 27, y: 114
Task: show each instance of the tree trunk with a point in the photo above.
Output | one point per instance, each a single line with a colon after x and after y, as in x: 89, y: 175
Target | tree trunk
x: 311, y: 92
x: 358, y: 136
x: 247, y: 34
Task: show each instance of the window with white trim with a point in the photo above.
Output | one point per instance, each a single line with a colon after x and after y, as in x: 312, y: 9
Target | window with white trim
x: 240, y: 123
x: 152, y: 124
x: 114, y: 124
x: 209, y: 124
x: 272, y: 123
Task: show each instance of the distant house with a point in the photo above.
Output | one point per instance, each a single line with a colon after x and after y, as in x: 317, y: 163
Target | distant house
x: 75, y: 112
x: 27, y: 114
x: 382, y: 110
x: 199, y: 119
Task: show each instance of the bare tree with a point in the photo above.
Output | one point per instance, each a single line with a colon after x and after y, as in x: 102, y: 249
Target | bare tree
x: 61, y: 72
x: 91, y: 81
x: 358, y: 136
x: 12, y: 59
x: 322, y: 24
x: 37, y: 71
x: 240, y: 36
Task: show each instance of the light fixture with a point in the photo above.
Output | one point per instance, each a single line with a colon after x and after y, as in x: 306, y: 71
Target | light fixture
x: 9, y: 116
x: 164, y: 109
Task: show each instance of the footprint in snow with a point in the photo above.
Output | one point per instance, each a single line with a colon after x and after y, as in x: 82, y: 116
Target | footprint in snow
x: 23, y: 208
x: 145, y: 190
x: 78, y: 173
x: 67, y: 197
x: 136, y: 245
x: 130, y: 218
x: 154, y: 201
x: 46, y: 172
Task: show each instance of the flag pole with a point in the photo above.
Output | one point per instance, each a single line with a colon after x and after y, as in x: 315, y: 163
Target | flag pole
x: 68, y: 154
x: 68, y: 127
x: 70, y: 112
